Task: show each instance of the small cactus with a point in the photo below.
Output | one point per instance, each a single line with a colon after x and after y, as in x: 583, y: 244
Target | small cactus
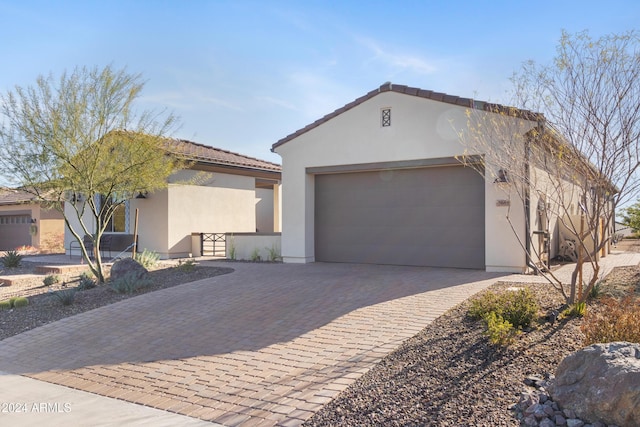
x: 5, y: 305
x: 19, y: 302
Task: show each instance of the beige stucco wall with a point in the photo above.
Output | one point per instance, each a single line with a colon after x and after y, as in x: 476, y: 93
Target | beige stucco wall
x: 420, y: 129
x: 264, y: 210
x: 46, y: 232
x: 219, y: 203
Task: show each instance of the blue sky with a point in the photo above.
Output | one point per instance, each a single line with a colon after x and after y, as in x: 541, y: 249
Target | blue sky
x: 243, y: 74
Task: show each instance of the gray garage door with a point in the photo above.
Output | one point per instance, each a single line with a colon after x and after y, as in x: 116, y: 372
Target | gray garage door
x: 425, y: 217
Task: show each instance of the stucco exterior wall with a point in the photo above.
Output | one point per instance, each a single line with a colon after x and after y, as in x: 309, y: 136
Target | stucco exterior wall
x: 45, y: 232
x: 219, y: 203
x: 420, y: 129
x: 264, y: 210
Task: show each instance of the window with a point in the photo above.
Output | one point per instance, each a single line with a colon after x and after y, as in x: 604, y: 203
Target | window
x: 118, y: 221
x: 386, y: 117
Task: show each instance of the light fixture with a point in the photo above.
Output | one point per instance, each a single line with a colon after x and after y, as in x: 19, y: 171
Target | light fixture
x: 141, y: 195
x: 502, y: 177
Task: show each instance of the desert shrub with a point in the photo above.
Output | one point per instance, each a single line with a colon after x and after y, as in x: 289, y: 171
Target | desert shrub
x: 86, y: 281
x: 255, y: 255
x: 596, y: 291
x: 519, y: 308
x: 615, y: 320
x: 274, y: 253
x: 51, y: 280
x: 148, y: 259
x: 575, y: 310
x: 12, y: 259
x: 187, y: 265
x: 5, y: 305
x: 65, y: 296
x: 19, y: 302
x: 129, y: 284
x: 499, y: 331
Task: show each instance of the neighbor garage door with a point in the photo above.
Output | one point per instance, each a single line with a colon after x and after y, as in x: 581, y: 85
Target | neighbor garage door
x: 426, y: 217
x: 14, y: 231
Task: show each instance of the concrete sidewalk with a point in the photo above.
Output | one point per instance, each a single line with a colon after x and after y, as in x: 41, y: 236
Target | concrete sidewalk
x: 269, y: 344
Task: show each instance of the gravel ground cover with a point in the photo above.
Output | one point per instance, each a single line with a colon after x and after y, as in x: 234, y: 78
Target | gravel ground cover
x: 44, y: 308
x: 450, y: 375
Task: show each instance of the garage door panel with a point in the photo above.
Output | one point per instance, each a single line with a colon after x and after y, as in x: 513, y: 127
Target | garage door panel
x: 428, y: 217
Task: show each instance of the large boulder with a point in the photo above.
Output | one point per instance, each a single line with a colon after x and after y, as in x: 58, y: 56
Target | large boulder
x: 601, y: 383
x: 127, y: 267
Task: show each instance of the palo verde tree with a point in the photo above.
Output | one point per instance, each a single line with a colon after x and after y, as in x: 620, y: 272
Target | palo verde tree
x: 576, y: 159
x: 631, y: 216
x: 77, y: 141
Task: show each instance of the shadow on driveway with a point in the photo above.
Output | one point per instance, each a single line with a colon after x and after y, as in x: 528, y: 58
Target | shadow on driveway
x: 256, y: 306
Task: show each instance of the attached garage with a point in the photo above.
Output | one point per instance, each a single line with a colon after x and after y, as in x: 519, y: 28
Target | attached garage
x: 380, y: 181
x: 430, y: 216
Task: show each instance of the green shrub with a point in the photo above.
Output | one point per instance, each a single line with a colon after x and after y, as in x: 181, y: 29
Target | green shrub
x: 187, y: 265
x: 274, y: 253
x: 129, y: 284
x: 50, y: 280
x: 5, y: 305
x: 596, y: 291
x: 499, y: 331
x: 86, y: 281
x: 148, y: 259
x: 575, y: 310
x: 19, y: 302
x: 519, y: 308
x: 65, y: 296
x: 255, y: 255
x: 12, y: 259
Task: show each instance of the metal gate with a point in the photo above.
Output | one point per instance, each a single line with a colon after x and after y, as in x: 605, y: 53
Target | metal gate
x: 213, y: 244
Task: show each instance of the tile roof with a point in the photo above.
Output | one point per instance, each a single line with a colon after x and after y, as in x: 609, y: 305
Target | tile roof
x: 413, y: 91
x: 204, y: 153
x: 9, y: 196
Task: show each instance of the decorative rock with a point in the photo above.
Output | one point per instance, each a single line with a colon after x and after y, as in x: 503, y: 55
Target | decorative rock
x: 530, y: 421
x: 574, y: 422
x: 547, y: 423
x: 600, y: 383
x: 560, y: 420
x: 127, y: 267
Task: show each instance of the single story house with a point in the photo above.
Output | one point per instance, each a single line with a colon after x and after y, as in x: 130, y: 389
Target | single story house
x: 221, y: 192
x: 27, y: 223
x: 379, y: 181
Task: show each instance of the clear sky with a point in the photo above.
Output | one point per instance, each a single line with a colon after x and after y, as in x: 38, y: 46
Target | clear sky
x: 243, y: 74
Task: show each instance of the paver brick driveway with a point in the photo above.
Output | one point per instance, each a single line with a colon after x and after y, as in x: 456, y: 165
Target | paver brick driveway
x: 266, y: 345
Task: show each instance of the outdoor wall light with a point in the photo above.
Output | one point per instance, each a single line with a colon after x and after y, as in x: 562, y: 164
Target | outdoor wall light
x: 141, y: 195
x: 502, y: 177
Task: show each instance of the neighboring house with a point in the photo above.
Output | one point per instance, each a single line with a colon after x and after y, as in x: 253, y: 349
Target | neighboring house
x: 222, y: 192
x: 24, y: 222
x: 379, y: 181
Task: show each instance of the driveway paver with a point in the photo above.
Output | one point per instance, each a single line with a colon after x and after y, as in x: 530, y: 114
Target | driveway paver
x: 266, y: 345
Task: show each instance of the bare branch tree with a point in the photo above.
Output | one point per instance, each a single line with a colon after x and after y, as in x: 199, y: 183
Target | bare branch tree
x: 579, y: 158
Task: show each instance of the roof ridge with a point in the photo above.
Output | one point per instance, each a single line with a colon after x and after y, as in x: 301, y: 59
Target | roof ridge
x: 210, y: 147
x: 194, y: 151
x: 414, y: 91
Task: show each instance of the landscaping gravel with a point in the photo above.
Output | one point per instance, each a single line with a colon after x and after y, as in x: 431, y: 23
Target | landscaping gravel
x: 450, y: 375
x: 44, y: 308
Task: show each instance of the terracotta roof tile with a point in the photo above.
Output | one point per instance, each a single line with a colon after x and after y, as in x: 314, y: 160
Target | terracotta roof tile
x: 10, y: 196
x: 204, y: 153
x: 413, y: 91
